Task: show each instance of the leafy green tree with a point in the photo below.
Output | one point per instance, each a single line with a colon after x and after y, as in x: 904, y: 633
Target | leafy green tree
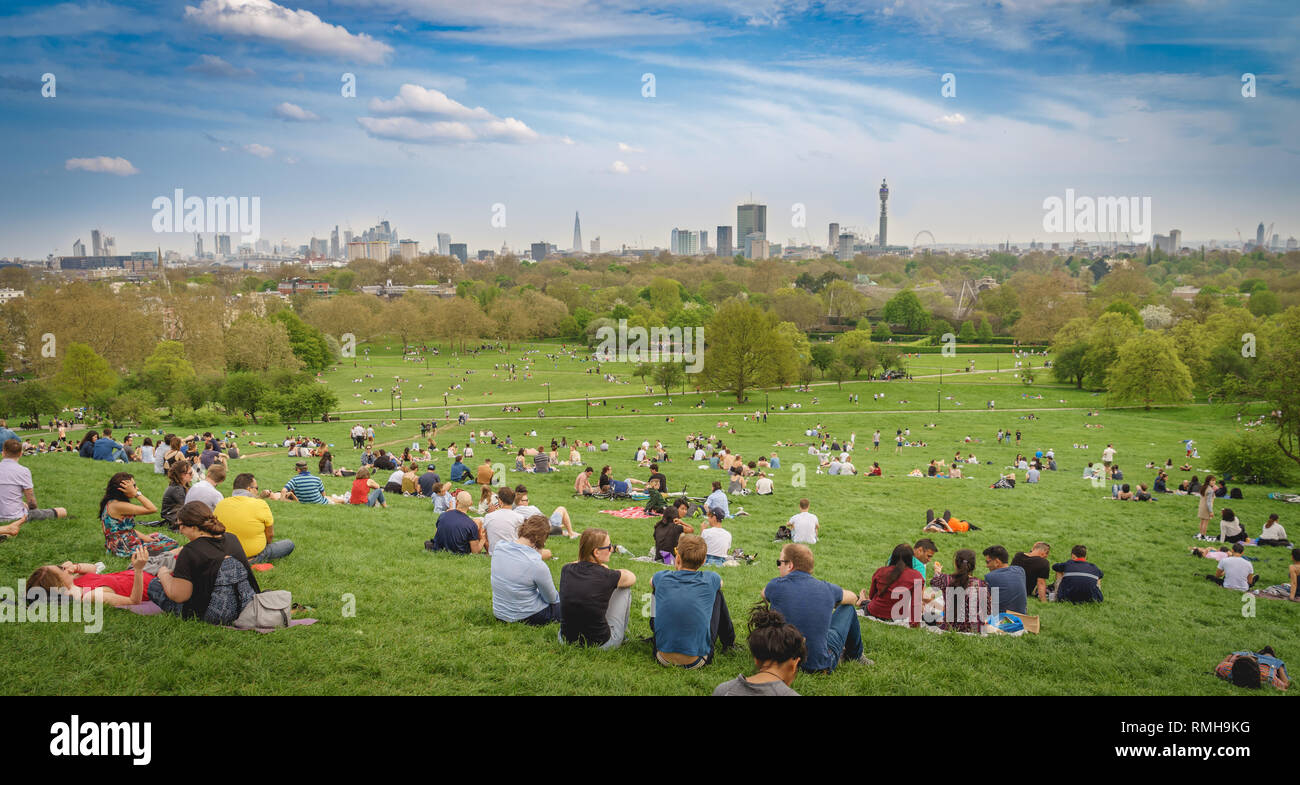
x: 1252, y: 457
x: 244, y: 391
x: 986, y: 330
x: 1275, y: 382
x: 823, y: 354
x: 905, y: 308
x: 166, y: 372
x: 669, y: 375
x: 31, y: 399
x: 83, y: 372
x: 132, y: 406
x: 881, y: 332
x: 1068, y: 364
x: 742, y: 349
x: 1147, y: 370
x: 839, y: 371
x: 967, y: 332
x: 308, y: 343
x: 1264, y: 303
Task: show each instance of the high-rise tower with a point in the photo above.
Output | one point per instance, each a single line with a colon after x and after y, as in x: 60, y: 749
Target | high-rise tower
x: 884, y: 214
x: 577, y: 233
x: 1259, y: 235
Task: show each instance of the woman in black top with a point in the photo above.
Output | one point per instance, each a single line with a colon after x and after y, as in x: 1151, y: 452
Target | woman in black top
x: 179, y: 478
x: 87, y: 447
x: 212, y: 580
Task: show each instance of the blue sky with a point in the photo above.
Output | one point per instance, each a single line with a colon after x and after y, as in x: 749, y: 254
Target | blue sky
x: 539, y: 106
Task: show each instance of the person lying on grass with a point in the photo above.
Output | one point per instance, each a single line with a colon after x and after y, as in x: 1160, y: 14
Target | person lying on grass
x: 596, y: 600
x: 18, y: 494
x: 522, y: 587
x: 689, y: 611
x: 777, y: 648
x: 80, y: 581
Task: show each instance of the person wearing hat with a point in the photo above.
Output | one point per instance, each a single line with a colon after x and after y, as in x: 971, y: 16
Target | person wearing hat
x: 428, y: 481
x: 306, y: 487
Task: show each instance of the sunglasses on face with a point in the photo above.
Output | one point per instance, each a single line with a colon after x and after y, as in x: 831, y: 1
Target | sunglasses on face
x: 605, y: 547
x: 779, y: 562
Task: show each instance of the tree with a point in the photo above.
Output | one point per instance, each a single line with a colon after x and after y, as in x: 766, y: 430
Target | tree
x: 985, y: 330
x: 1274, y: 380
x: 83, y: 372
x: 32, y: 398
x: 823, y: 354
x: 1124, y: 309
x: 642, y: 370
x: 1047, y: 302
x: 741, y: 350
x: 1156, y: 317
x: 1148, y: 371
x: 1264, y: 303
x: 257, y: 344
x: 133, y: 406
x: 843, y: 301
x: 669, y: 375
x: 308, y: 343
x: 1068, y: 365
x: 245, y: 392
x: 967, y: 332
x: 881, y: 332
x: 796, y: 305
x: 905, y: 308
x: 857, y: 352
x: 166, y: 372
x: 840, y: 371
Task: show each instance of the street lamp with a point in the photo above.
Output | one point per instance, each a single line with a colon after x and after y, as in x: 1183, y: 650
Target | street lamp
x: 588, y: 407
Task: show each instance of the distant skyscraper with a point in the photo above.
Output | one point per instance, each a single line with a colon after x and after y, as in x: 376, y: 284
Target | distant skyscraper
x: 444, y: 244
x: 684, y: 242
x: 577, y: 233
x: 97, y: 244
x: 110, y: 245
x: 751, y: 218
x: 198, y: 246
x: 460, y: 251
x: 756, y: 246
x: 595, y: 245
x: 1274, y: 243
x: 223, y: 245
x: 884, y: 215
x: 347, y: 238
x: 725, y: 248
x: 844, y: 247
x: 538, y: 251
x: 1175, y: 240
x: 834, y: 236
x: 1259, y: 235
x: 408, y: 249
x: 334, y: 242
x: 78, y: 248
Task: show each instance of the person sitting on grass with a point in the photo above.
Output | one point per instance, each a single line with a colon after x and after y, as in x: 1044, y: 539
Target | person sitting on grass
x: 716, y: 538
x: 522, y: 587
x: 895, y: 587
x: 411, y: 480
x: 1009, y: 581
x: 428, y: 481
x: 596, y: 599
x: 1293, y: 574
x: 306, y: 488
x: 394, y: 483
x: 963, y: 604
x: 669, y: 530
x: 804, y: 525
x: 655, y: 502
x: 205, y: 490
x: 122, y: 501
x: 1235, y: 572
x: 212, y: 579
x: 81, y: 582
x: 1230, y: 529
x: 718, y: 500
x: 457, y: 532
x: 823, y: 612
x: 443, y: 498
x: 1078, y: 580
x: 1037, y: 569
x: 179, y: 479
x: 559, y: 517
x: 18, y: 493
x: 923, y: 551
x: 326, y: 466
x: 689, y: 612
x: 1272, y: 533
x: 249, y: 518
x: 460, y: 472
x: 582, y: 485
x: 777, y: 648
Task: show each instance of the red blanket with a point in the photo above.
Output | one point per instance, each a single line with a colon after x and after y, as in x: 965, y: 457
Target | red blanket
x: 630, y: 512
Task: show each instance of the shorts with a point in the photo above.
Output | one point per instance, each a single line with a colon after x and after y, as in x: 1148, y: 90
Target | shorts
x: 557, y: 522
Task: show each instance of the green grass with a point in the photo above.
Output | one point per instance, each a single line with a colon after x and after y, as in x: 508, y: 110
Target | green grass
x: 423, y: 622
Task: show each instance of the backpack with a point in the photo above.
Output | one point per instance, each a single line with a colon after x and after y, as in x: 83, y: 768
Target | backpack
x: 266, y: 610
x: 784, y: 533
x: 1251, y: 670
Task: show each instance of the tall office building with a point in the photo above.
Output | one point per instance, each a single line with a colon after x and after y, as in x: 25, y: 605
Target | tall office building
x: 1175, y: 240
x: 834, y: 236
x: 751, y: 218
x: 724, y: 242
x: 97, y: 244
x: 78, y: 248
x: 444, y: 244
x: 1259, y: 235
x: 577, y: 233
x: 347, y: 238
x: 595, y: 245
x: 884, y: 214
x: 844, y: 247
x: 334, y: 242
x: 460, y: 251
x: 223, y: 245
x: 110, y: 245
x: 756, y: 246
x: 408, y: 249
x: 198, y: 245
x: 538, y: 251
x: 684, y: 242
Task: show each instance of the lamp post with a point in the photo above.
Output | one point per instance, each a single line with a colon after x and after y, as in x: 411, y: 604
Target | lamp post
x: 588, y: 407
x: 766, y: 407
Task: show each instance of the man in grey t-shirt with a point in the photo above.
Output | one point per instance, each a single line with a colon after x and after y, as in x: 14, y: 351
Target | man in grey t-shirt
x: 742, y: 686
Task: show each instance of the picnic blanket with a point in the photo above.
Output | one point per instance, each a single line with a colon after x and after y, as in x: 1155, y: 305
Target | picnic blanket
x: 148, y: 608
x: 630, y: 512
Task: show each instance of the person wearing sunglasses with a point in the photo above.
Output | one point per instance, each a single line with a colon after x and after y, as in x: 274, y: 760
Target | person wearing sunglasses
x: 825, y: 613
x: 249, y: 518
x: 597, y: 600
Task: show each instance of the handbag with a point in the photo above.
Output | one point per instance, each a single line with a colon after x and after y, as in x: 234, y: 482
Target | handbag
x: 266, y: 610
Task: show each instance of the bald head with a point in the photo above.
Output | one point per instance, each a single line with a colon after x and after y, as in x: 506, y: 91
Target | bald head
x: 463, y: 500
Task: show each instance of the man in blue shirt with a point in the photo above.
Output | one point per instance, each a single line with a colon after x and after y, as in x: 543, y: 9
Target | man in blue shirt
x: 689, y: 611
x: 522, y: 586
x: 105, y: 448
x: 825, y: 613
x: 5, y: 433
x: 457, y: 532
x: 1078, y: 580
x: 306, y: 487
x: 718, y: 500
x: 1008, y: 580
x: 459, y: 471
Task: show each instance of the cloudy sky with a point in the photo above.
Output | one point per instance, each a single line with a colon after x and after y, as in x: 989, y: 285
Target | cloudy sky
x: 546, y: 107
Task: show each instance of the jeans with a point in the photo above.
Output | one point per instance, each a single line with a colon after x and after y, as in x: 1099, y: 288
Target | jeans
x: 276, y: 549
x: 376, y: 497
x: 844, y: 636
x: 715, y: 560
x: 547, y: 615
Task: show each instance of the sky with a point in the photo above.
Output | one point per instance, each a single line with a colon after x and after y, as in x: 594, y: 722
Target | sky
x: 643, y: 118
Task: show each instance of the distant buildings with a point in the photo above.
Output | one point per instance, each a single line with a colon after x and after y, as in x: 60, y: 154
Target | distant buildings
x: 724, y: 241
x: 460, y: 251
x: 391, y: 290
x: 751, y: 219
x: 685, y: 242
x: 6, y: 295
x: 1168, y: 243
x: 408, y: 249
x: 539, y: 251
x: 884, y: 215
x: 756, y: 246
x: 78, y: 248
x: 97, y: 244
x: 577, y: 233
x: 303, y: 286
x: 444, y: 244
x: 378, y: 250
x: 595, y: 245
x: 833, y: 237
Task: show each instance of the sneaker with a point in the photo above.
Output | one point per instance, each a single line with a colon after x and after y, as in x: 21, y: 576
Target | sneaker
x: 865, y: 660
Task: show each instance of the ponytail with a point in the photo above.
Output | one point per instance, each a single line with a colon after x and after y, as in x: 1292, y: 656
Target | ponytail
x: 199, y: 515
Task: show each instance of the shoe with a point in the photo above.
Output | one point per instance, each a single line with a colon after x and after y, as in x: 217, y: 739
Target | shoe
x: 865, y: 660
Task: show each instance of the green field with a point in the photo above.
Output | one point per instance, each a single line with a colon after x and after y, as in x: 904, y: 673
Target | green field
x: 423, y: 622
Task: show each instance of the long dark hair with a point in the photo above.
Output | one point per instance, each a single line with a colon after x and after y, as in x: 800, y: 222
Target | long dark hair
x: 899, y: 560
x: 178, y: 470
x: 964, y: 561
x: 324, y: 458
x: 113, y: 493
x: 90, y: 436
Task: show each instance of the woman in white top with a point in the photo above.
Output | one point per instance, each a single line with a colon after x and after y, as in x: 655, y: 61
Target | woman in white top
x: 1273, y: 533
x: 1230, y: 529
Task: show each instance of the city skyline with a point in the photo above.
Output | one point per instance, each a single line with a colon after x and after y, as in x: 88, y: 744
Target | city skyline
x: 1122, y: 101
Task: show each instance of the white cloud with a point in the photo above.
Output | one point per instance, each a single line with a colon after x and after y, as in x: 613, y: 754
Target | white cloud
x: 618, y: 167
x: 509, y: 129
x: 956, y: 118
x: 624, y: 147
x: 259, y: 150
x: 302, y: 30
x: 118, y: 166
x: 566, y: 140
x: 414, y: 99
x: 406, y: 129
x: 211, y: 65
x: 294, y: 113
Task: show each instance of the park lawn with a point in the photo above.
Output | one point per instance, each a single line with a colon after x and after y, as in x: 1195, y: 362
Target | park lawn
x: 423, y: 622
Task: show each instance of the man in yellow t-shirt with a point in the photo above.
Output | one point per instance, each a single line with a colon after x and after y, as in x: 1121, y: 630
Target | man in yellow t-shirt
x: 248, y: 517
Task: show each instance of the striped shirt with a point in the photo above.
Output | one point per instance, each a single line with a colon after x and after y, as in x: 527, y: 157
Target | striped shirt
x: 308, y: 488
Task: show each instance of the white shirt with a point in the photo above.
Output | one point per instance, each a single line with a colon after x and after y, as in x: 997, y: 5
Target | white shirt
x: 718, y: 541
x: 501, y: 524
x: 1274, y: 532
x: 848, y: 468
x: 1108, y: 454
x: 764, y: 485
x: 699, y: 455
x: 203, y: 491
x: 396, y: 476
x: 805, y: 527
x: 1236, y: 572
